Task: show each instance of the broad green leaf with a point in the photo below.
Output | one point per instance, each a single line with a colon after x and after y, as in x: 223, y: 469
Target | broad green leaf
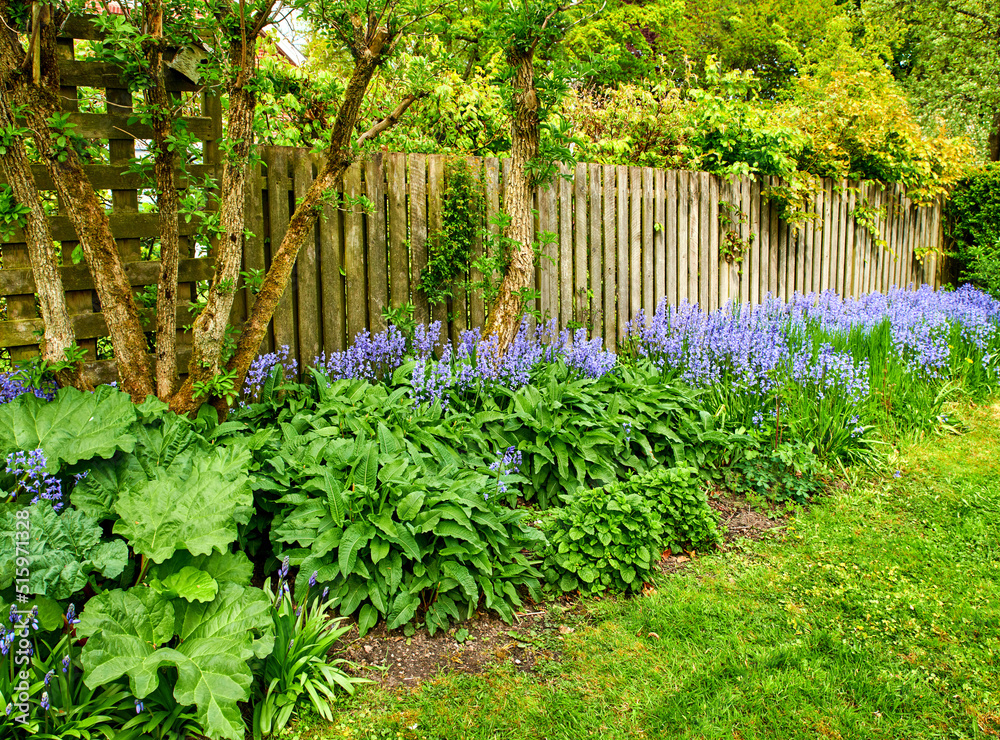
x: 222, y: 567
x: 334, y: 497
x: 74, y: 426
x: 96, y: 494
x: 379, y: 549
x: 212, y: 677
x: 124, y: 628
x: 409, y: 507
x: 62, y: 549
x: 356, y: 536
x: 192, y: 584
x: 387, y: 441
x: 237, y: 610
x: 198, y: 514
x: 461, y: 574
x: 404, y: 606
x: 367, y: 619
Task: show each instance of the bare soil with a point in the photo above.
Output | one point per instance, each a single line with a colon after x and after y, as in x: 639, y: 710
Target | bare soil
x: 394, y: 659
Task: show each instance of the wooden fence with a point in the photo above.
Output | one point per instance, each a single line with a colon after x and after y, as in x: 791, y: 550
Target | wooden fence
x: 626, y: 237
x: 104, y: 122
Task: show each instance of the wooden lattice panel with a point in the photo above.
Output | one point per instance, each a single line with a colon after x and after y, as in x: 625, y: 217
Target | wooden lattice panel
x: 133, y: 218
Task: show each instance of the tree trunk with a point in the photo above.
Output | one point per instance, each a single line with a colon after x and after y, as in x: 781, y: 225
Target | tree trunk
x: 210, y: 325
x: 38, y: 95
x: 168, y: 205
x: 994, y: 140
x: 505, y: 313
x: 59, y: 335
x: 338, y: 156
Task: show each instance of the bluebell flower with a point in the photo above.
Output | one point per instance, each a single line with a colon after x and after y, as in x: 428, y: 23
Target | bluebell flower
x: 13, y: 385
x: 32, y: 478
x: 44, y: 703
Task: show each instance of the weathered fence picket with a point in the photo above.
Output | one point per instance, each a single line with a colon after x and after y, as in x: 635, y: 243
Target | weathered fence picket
x: 626, y: 238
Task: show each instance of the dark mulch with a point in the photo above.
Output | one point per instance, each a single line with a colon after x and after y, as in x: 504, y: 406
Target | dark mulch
x: 393, y: 659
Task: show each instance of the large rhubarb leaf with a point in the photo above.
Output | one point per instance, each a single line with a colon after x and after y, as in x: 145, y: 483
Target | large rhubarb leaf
x: 62, y: 550
x: 223, y: 567
x: 124, y: 630
x: 198, y: 514
x: 74, y: 426
x: 127, y: 632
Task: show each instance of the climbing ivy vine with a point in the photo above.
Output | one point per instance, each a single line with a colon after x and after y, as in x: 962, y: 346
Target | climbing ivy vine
x: 450, y: 249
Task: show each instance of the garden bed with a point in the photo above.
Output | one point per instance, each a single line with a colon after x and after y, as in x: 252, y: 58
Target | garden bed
x: 408, y: 485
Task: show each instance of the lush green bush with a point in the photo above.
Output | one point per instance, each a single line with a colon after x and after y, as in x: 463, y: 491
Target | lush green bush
x: 605, y: 538
x: 150, y: 529
x: 394, y: 509
x: 612, y: 537
x: 974, y: 228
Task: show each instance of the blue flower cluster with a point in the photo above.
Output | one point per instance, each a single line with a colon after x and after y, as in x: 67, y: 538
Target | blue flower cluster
x: 757, y: 348
x: 751, y: 350
x: 507, y: 464
x: 13, y: 385
x: 260, y: 371
x: 32, y: 478
x: 372, y: 357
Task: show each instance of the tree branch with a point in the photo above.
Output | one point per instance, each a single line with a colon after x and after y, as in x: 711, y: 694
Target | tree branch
x: 391, y: 120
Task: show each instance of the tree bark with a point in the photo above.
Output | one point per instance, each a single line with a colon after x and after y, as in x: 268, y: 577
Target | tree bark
x: 37, y: 93
x: 210, y: 325
x: 339, y: 155
x: 15, y: 165
x: 507, y: 309
x: 168, y: 205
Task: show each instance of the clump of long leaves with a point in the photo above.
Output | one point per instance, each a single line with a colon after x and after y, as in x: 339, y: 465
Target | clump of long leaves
x: 299, y: 667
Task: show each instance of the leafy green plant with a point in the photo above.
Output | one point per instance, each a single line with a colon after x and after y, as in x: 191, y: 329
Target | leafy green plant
x: 389, y: 514
x: 612, y: 537
x: 973, y: 214
x: 221, y: 385
x: 450, y: 249
x: 13, y: 215
x: 65, y: 553
x: 788, y: 472
x: 191, y: 621
x: 141, y: 631
x: 605, y: 538
x: 75, y: 426
x: 678, y: 495
x: 299, y: 666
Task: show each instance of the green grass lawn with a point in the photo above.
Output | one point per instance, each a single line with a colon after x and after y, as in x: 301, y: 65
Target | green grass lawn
x: 875, y: 614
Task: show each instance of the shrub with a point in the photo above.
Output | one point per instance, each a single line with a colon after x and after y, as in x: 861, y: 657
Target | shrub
x: 676, y: 494
x: 385, y: 504
x: 974, y: 227
x: 612, y: 537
